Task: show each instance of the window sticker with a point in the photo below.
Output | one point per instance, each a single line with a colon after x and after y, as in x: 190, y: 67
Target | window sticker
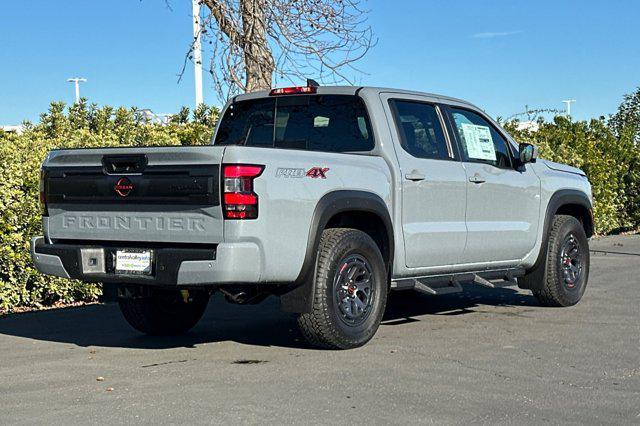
x: 479, y: 142
x: 320, y: 121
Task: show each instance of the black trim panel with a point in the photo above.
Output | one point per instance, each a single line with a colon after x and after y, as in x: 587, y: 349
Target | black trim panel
x: 167, y: 261
x: 185, y: 185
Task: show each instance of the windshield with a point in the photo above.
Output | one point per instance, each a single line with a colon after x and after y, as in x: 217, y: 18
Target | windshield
x: 333, y: 123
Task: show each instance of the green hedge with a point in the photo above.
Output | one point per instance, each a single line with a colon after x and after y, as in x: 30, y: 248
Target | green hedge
x: 606, y: 150
x: 80, y: 125
x: 609, y: 161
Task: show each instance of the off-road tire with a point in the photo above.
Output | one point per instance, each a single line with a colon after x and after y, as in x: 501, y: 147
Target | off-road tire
x: 164, y: 312
x: 325, y: 325
x: 547, y: 282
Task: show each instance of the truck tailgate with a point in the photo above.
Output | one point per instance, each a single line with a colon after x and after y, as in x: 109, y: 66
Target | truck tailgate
x: 158, y: 194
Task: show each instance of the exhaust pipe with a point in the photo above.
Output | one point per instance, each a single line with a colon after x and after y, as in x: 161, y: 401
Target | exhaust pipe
x: 243, y: 295
x: 235, y: 295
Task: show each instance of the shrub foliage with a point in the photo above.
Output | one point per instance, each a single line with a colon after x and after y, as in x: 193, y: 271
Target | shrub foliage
x: 79, y: 125
x: 609, y: 162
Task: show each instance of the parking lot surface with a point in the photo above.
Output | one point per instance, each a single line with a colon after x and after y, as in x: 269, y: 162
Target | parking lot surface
x: 482, y: 356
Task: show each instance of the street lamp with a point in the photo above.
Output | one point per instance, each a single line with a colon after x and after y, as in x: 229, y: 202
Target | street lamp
x: 197, y: 51
x: 569, y: 102
x: 77, y: 81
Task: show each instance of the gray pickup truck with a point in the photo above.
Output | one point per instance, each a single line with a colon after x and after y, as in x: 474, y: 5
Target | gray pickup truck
x: 327, y: 197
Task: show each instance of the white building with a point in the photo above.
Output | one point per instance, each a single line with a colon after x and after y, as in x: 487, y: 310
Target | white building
x: 13, y: 129
x: 531, y: 126
x: 153, y: 118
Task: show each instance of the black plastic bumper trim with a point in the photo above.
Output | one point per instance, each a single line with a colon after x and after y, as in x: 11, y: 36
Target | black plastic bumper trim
x: 167, y: 261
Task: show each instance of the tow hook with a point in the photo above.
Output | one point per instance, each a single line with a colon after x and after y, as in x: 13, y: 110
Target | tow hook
x: 185, y: 295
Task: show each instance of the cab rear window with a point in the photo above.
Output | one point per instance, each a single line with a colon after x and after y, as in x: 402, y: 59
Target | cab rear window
x: 331, y: 123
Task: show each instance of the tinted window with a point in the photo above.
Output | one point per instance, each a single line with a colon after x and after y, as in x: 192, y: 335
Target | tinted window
x: 333, y: 123
x: 247, y: 123
x: 479, y: 140
x: 420, y: 130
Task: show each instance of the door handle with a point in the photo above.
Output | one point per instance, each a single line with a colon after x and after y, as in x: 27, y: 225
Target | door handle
x: 415, y: 175
x: 477, y: 179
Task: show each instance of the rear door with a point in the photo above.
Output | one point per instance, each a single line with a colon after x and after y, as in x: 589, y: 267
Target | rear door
x: 160, y: 194
x: 503, y: 202
x: 433, y: 185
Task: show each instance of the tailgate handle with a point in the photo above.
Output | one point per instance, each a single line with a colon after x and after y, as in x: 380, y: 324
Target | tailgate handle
x: 124, y: 164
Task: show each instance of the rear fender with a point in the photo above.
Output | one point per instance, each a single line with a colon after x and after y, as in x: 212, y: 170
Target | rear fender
x: 299, y: 298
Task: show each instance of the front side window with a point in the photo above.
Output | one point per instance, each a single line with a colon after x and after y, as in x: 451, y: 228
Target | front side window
x: 420, y: 130
x: 479, y: 140
x: 330, y: 123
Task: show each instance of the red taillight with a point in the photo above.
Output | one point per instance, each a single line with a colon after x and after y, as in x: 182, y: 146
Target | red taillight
x: 298, y: 90
x: 239, y: 200
x: 43, y: 195
x: 236, y: 198
x: 239, y: 170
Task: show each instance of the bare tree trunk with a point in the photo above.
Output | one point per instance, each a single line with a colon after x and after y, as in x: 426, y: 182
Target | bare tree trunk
x: 259, y: 64
x: 308, y: 38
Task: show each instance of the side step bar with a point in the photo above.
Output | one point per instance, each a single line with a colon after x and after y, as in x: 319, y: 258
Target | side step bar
x: 451, y: 283
x: 426, y: 286
x: 496, y: 284
x: 433, y: 289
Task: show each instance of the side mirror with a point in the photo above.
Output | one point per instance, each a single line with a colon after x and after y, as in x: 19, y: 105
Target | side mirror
x: 528, y: 153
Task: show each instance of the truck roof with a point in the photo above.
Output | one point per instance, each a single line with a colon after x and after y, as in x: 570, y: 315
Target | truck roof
x: 351, y: 90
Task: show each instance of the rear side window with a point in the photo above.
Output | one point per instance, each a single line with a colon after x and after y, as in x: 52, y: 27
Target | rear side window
x: 420, y: 130
x: 331, y: 123
x: 479, y: 140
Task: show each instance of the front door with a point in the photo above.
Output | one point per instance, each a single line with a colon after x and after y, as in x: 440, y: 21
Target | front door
x: 503, y: 202
x: 433, y: 186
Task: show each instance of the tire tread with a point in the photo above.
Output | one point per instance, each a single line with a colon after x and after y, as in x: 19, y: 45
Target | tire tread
x: 317, y: 325
x: 550, y: 293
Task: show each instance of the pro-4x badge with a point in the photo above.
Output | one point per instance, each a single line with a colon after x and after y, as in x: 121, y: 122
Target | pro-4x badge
x: 317, y: 172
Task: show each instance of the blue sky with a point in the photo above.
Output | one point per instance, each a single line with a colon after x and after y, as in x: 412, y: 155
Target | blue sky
x: 500, y: 55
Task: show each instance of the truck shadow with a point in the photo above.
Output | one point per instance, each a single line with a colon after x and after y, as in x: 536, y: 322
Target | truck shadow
x: 262, y: 325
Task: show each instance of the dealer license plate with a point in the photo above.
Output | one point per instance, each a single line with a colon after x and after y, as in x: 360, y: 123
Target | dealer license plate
x: 136, y: 262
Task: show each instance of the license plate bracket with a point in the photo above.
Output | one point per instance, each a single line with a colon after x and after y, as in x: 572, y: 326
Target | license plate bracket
x: 133, y: 262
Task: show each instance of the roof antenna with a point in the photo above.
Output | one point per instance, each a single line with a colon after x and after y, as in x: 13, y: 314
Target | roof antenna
x: 312, y: 83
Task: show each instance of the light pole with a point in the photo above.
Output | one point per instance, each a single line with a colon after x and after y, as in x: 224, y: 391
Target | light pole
x: 569, y: 102
x: 77, y: 81
x: 197, y: 51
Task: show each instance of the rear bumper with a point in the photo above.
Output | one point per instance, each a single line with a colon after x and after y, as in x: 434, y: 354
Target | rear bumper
x: 231, y: 263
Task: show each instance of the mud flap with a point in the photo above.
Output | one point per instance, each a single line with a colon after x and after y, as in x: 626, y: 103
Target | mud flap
x: 298, y: 300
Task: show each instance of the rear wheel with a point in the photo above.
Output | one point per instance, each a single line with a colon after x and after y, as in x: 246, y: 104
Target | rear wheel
x: 566, y: 269
x: 165, y: 312
x: 350, y: 291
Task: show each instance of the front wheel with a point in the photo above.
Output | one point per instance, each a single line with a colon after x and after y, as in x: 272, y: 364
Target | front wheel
x: 566, y: 269
x: 165, y: 312
x: 350, y: 291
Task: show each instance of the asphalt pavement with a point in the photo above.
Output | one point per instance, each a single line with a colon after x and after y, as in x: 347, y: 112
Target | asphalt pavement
x: 482, y: 356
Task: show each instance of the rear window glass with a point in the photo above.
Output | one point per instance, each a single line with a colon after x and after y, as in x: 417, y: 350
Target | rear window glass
x: 333, y: 123
x: 422, y: 134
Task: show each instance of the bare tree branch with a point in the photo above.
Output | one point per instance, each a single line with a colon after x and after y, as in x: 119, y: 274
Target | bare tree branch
x: 225, y: 20
x: 253, y: 42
